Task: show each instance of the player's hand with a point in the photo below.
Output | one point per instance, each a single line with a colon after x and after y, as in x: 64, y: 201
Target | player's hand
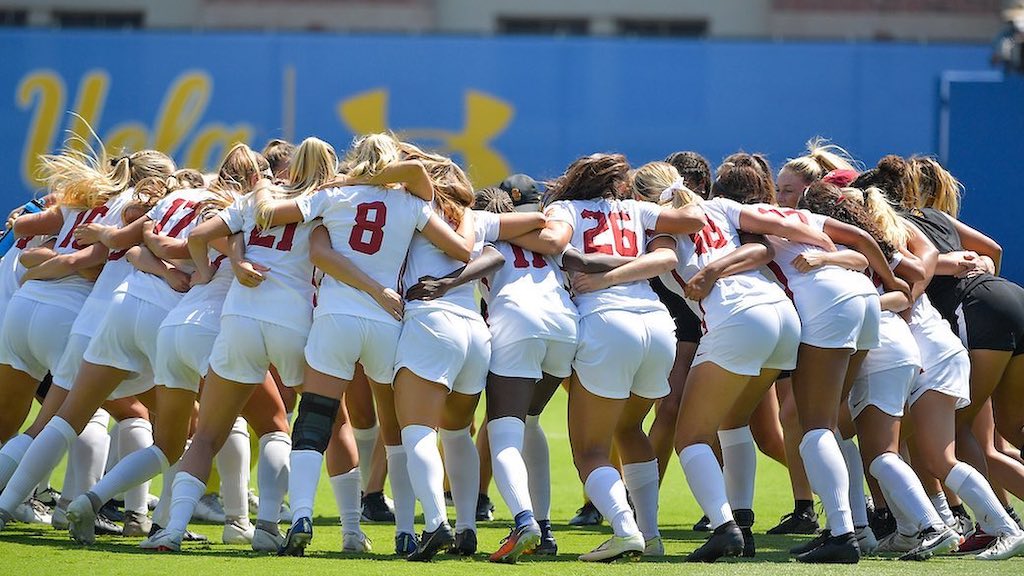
x: 899, y: 285
x: 391, y: 301
x: 970, y: 264
x: 825, y: 242
x: 249, y: 274
x: 700, y: 285
x: 178, y: 280
x: 200, y: 277
x: 809, y: 261
x: 14, y: 215
x: 583, y: 283
x: 90, y: 233
x: 428, y: 288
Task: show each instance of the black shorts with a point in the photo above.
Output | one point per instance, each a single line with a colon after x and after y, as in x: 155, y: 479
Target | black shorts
x: 993, y: 313
x: 687, y: 323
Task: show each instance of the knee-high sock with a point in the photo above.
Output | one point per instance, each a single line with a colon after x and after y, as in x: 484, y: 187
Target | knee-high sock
x: 641, y: 481
x: 426, y: 473
x: 510, y: 474
x: 401, y: 490
x: 10, y: 456
x: 135, y: 434
x: 904, y: 487
x: 855, y: 467
x: 187, y: 491
x: 346, y: 489
x: 829, y: 478
x: 366, y: 441
x: 137, y: 468
x: 162, y: 512
x: 942, y: 507
x: 606, y: 491
x: 704, y: 476
x: 462, y: 462
x: 976, y: 492
x: 87, y: 457
x: 538, y: 467
x: 233, y: 462
x: 739, y: 459
x: 272, y: 474
x: 303, y: 477
x: 40, y: 459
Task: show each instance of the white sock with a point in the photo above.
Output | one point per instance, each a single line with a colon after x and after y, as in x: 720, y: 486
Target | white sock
x: 346, y: 489
x: 641, y: 481
x: 976, y: 492
x: 510, y: 475
x: 115, y: 449
x: 162, y: 512
x: 739, y: 458
x: 855, y: 467
x: 606, y: 491
x: 233, y: 462
x: 303, y: 477
x: 401, y: 490
x: 39, y: 460
x: 272, y: 474
x: 87, y: 457
x: 426, y: 473
x: 134, y: 469
x: 704, y: 476
x: 538, y: 467
x: 187, y: 491
x: 462, y: 462
x: 10, y: 456
x: 829, y: 478
x: 366, y: 441
x: 134, y: 434
x: 905, y: 490
x: 942, y: 507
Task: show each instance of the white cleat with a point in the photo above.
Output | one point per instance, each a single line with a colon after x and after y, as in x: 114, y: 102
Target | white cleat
x: 615, y: 548
x: 59, y: 518
x: 866, y: 540
x: 82, y: 521
x: 210, y: 509
x: 654, y: 547
x: 162, y: 541
x: 33, y: 511
x: 263, y: 541
x: 238, y: 531
x: 136, y: 525
x: 1005, y: 546
x: 933, y: 543
x: 355, y: 542
x: 897, y: 543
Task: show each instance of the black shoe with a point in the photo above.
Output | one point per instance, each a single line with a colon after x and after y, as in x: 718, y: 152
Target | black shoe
x: 587, y: 516
x: 1013, y: 515
x: 702, y: 525
x: 548, y: 546
x: 484, y: 508
x: 112, y: 510
x: 745, y: 520
x: 882, y: 523
x: 105, y: 526
x: 431, y: 543
x: 811, y: 544
x: 375, y: 509
x: 465, y: 543
x: 50, y: 496
x: 189, y: 535
x: 797, y: 522
x: 841, y: 549
x: 299, y: 536
x: 726, y: 540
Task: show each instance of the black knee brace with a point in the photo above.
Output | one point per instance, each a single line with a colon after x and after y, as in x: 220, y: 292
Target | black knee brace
x: 313, y: 427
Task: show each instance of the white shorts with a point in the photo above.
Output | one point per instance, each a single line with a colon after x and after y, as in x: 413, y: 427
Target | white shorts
x: 338, y: 341
x: 766, y: 336
x: 852, y: 323
x: 34, y: 335
x: 126, y: 337
x: 622, y: 352
x: 951, y: 377
x: 446, y: 348
x: 183, y: 355
x: 532, y: 358
x: 245, y: 349
x: 71, y: 361
x: 887, y: 390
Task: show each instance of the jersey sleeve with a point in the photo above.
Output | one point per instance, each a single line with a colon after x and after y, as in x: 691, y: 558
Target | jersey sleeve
x: 156, y: 213
x: 730, y: 209
x: 423, y: 213
x: 816, y: 221
x: 648, y: 213
x: 562, y: 211
x: 233, y: 215
x: 313, y: 206
x: 488, y: 226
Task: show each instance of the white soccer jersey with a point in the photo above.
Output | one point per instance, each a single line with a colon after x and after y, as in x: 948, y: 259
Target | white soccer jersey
x: 607, y: 226
x: 425, y: 259
x: 897, y: 346
x: 731, y: 294
x: 487, y: 226
x: 285, y: 297
x: 11, y: 269
x: 372, y: 227
x: 935, y: 340
x: 202, y: 304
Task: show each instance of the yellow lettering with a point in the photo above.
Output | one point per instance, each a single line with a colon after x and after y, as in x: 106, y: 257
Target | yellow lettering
x: 365, y: 113
x: 212, y: 142
x: 45, y: 90
x: 92, y: 93
x: 181, y: 110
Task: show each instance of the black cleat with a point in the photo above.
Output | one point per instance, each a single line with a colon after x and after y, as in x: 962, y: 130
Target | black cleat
x: 797, y: 522
x: 702, y: 525
x: 189, y: 535
x: 465, y: 543
x: 726, y: 540
x: 745, y: 520
x: 484, y: 508
x: 112, y: 511
x: 299, y: 536
x: 811, y: 544
x: 882, y: 523
x: 548, y: 545
x: 375, y: 509
x: 587, y: 516
x: 841, y: 549
x: 431, y: 543
x: 106, y: 526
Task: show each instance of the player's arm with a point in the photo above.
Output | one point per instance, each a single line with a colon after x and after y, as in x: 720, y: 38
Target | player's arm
x: 42, y: 223
x: 515, y: 224
x: 447, y: 240
x: 337, y: 266
x: 575, y: 261
x: 430, y: 288
x: 862, y: 242
x: 659, y: 259
x: 162, y: 246
x: 146, y: 261
x: 411, y: 174
x: 62, y: 265
x: 754, y: 252
x: 110, y: 236
x: 199, y: 247
x: 548, y: 241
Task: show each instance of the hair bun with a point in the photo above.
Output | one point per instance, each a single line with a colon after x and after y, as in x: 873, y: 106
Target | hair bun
x: 894, y: 166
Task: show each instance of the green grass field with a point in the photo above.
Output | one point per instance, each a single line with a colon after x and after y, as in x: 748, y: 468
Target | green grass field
x: 27, y: 550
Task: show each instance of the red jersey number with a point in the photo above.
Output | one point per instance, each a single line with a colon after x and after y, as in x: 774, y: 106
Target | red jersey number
x: 368, y: 233
x: 179, y: 204
x: 84, y: 217
x: 623, y: 238
x: 284, y: 244
x: 784, y: 213
x: 709, y: 238
x: 521, y: 261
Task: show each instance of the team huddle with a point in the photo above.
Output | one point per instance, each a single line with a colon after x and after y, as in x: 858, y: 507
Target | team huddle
x: 792, y: 312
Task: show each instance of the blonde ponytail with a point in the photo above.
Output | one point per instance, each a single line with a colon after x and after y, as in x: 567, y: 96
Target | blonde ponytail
x: 936, y: 187
x: 314, y: 165
x: 650, y: 182
x: 371, y: 154
x: 890, y: 225
x: 820, y: 159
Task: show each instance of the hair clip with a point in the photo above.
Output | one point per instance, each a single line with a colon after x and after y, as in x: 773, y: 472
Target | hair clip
x: 668, y: 193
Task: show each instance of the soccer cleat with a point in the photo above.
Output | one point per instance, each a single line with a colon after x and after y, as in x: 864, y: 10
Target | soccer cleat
x: 932, y: 543
x: 266, y: 541
x: 355, y: 542
x: 253, y: 501
x: 105, y: 526
x: 5, y: 519
x: 897, y: 543
x: 33, y: 511
x: 726, y: 540
x: 882, y: 523
x: 210, y: 508
x: 405, y: 543
x: 238, y: 531
x: 745, y: 520
x: 112, y: 511
x: 375, y: 508
x: 615, y: 548
x: 588, y: 515
x: 152, y: 502
x: 162, y: 541
x: 49, y: 497
x: 866, y: 540
x: 188, y: 536
x: 484, y: 508
x: 82, y: 520
x: 520, y: 540
x: 797, y: 522
x: 293, y: 544
x: 976, y: 541
x: 431, y: 543
x: 811, y: 544
x: 136, y: 524
x: 840, y: 549
x: 702, y: 525
x: 1005, y: 546
x: 1013, y: 516
x: 59, y: 518
x: 654, y: 547
x: 964, y: 524
x: 465, y: 543
x: 548, y: 545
